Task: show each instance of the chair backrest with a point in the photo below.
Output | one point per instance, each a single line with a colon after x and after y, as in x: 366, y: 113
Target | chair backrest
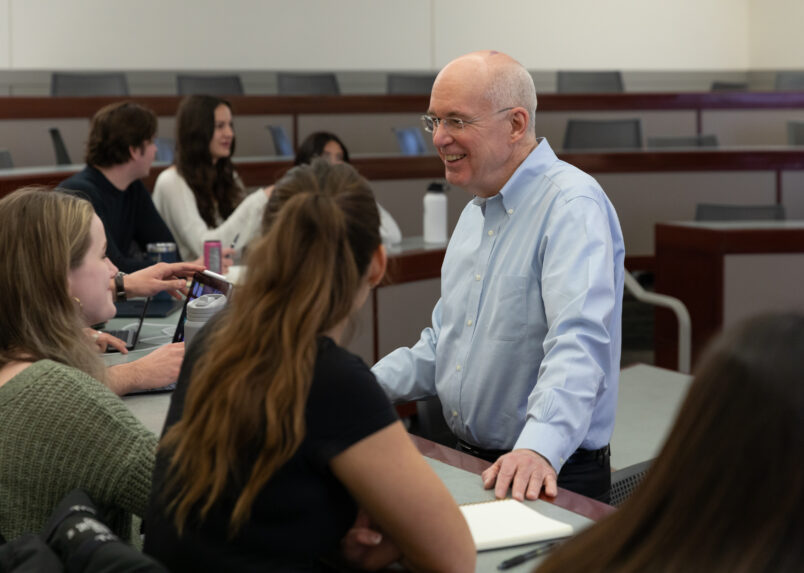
x: 718, y: 212
x: 307, y: 84
x: 411, y: 141
x: 208, y: 85
x: 791, y: 81
x: 410, y: 83
x: 5, y: 159
x: 729, y: 86
x: 624, y: 481
x: 590, y: 82
x: 165, y: 149
x: 709, y: 140
x: 62, y: 157
x: 795, y: 133
x: 111, y: 84
x: 282, y: 145
x: 603, y: 134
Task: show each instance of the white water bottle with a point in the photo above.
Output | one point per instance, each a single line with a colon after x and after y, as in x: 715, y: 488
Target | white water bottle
x: 199, y: 311
x: 435, y: 214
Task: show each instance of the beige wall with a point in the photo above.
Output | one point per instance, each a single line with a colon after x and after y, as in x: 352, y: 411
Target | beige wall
x: 776, y: 41
x: 389, y: 34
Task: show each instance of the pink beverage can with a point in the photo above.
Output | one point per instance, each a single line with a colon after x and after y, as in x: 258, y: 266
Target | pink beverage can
x: 212, y: 256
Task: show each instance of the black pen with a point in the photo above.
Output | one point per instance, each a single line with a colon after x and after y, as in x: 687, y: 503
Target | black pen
x: 528, y: 555
x: 234, y: 241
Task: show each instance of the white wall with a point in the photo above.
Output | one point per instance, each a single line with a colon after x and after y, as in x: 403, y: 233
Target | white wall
x: 776, y: 39
x: 594, y: 34
x: 379, y: 34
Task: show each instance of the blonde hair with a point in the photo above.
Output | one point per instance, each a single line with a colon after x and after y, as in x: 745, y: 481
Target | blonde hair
x: 303, y: 278
x: 44, y: 235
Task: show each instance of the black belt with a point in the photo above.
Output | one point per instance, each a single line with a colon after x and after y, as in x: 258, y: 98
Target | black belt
x: 579, y: 456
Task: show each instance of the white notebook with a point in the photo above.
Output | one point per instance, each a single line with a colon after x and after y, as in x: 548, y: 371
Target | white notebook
x: 507, y: 522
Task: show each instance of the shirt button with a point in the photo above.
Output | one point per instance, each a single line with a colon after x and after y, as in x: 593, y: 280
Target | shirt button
x: 458, y: 368
x: 510, y: 211
x: 477, y: 277
x: 454, y: 413
x: 491, y: 233
x: 469, y: 322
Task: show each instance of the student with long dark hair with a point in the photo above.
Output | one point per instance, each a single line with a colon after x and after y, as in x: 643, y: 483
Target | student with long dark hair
x: 201, y: 197
x: 60, y: 427
x: 330, y: 147
x: 276, y: 435
x: 725, y: 493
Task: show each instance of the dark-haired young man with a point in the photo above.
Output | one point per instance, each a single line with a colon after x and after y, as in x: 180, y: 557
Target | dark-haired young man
x: 119, y: 154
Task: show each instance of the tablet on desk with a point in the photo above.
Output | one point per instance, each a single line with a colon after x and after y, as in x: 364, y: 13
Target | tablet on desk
x: 205, y: 282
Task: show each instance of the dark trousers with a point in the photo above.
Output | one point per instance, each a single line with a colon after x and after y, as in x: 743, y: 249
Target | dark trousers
x: 587, y: 472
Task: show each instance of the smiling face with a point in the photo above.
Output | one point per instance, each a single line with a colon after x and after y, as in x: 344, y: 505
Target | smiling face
x: 483, y: 155
x: 220, y: 145
x: 89, y: 281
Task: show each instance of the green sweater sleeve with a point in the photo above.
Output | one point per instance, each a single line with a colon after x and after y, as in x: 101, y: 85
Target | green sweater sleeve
x: 61, y: 429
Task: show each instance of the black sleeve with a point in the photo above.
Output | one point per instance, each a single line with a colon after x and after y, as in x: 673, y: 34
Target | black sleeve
x: 150, y: 228
x: 346, y: 403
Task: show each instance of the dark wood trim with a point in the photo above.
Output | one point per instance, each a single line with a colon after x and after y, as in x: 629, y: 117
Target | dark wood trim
x: 640, y: 263
x: 568, y: 500
x: 36, y: 107
x: 690, y: 267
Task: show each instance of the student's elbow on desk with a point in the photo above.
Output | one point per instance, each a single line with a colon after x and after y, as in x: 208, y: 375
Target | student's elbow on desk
x: 400, y: 492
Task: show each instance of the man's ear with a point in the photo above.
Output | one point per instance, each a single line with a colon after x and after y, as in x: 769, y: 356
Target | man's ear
x: 520, y: 122
x: 379, y: 262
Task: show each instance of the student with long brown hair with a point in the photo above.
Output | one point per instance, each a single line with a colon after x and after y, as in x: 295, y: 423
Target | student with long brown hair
x: 201, y: 197
x: 725, y: 493
x: 60, y: 427
x: 276, y: 435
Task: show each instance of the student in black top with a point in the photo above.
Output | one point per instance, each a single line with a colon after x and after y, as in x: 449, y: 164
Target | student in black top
x: 280, y: 450
x: 120, y: 152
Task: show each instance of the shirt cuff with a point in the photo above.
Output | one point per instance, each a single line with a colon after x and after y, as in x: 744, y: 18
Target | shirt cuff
x: 546, y: 441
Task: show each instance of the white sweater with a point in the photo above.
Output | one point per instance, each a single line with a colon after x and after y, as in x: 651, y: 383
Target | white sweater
x: 176, y: 204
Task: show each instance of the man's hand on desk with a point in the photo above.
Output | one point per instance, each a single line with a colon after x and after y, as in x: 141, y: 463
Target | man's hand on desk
x: 154, y: 370
x: 525, y: 472
x: 152, y: 280
x: 366, y: 548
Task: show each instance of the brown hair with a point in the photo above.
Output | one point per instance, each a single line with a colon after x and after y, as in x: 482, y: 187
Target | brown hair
x: 726, y: 490
x: 115, y: 129
x: 215, y: 187
x: 303, y: 277
x: 44, y: 234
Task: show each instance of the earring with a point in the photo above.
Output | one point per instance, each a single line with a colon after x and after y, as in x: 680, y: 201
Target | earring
x: 78, y: 300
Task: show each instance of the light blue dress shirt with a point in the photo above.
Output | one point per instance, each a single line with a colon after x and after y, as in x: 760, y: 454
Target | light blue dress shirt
x: 524, y: 349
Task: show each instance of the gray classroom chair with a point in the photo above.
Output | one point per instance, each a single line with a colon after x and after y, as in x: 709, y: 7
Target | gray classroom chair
x: 708, y: 140
x: 220, y: 85
x: 307, y: 84
x: 5, y: 159
x: 589, y: 82
x: 722, y: 212
x: 603, y: 134
x: 729, y: 86
x: 795, y: 133
x: 410, y: 140
x: 625, y: 481
x: 410, y: 83
x: 789, y: 81
x: 66, y: 84
x: 282, y: 144
x: 62, y: 157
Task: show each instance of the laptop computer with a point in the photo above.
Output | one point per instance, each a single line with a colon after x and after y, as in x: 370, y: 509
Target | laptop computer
x: 129, y: 335
x: 156, y: 308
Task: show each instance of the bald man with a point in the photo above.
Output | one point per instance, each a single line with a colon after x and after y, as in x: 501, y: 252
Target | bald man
x: 524, y: 347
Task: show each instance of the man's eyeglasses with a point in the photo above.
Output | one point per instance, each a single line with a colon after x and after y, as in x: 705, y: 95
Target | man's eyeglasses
x: 431, y: 122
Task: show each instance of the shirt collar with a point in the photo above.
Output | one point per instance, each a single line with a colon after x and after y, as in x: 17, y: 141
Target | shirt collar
x: 537, y: 162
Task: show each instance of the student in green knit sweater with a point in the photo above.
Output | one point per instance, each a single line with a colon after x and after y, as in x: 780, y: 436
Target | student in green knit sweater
x: 60, y: 426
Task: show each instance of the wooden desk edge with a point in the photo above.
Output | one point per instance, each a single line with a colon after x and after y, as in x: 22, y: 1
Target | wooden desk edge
x: 565, y: 499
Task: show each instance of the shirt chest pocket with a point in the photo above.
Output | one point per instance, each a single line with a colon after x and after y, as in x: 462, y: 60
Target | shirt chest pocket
x: 506, y: 308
